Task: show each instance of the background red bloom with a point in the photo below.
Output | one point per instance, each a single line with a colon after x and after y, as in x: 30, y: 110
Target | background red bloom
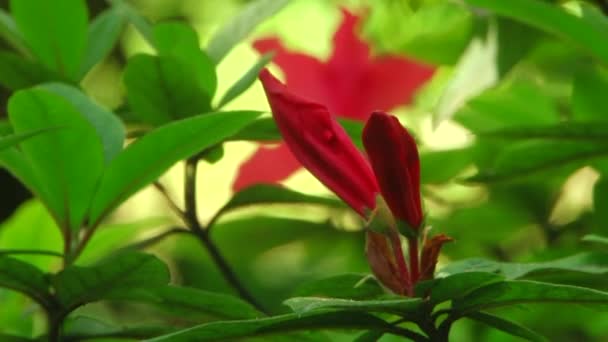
x: 351, y: 84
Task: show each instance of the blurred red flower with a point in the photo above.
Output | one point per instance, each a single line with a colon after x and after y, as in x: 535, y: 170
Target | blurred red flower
x: 351, y: 84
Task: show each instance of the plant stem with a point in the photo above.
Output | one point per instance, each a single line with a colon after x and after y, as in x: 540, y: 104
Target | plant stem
x: 414, y: 262
x: 197, y: 229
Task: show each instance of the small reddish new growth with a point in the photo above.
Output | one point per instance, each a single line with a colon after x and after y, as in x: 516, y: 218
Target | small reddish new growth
x: 322, y: 146
x: 351, y: 84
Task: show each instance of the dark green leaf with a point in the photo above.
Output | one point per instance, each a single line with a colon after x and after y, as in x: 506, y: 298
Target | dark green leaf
x: 10, y: 33
x: 585, y: 131
x: 82, y: 328
x: 56, y: 31
x: 108, y: 126
x: 241, y: 25
x: 395, y: 305
x: 274, y: 194
x: 12, y: 338
x: 196, y: 304
x: 506, y: 326
x: 149, y: 157
x: 246, y: 80
x: 103, y: 34
x: 460, y: 284
x: 532, y: 157
x: 18, y: 73
x: 230, y: 330
x: 13, y: 139
x: 161, y: 89
x: 351, y: 286
x: 517, y: 292
x: 25, y: 278
x: 117, y: 277
x: 65, y: 164
x: 589, y: 95
x: 550, y: 18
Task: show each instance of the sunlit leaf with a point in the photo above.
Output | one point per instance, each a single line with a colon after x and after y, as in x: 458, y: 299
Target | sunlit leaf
x: 245, y: 81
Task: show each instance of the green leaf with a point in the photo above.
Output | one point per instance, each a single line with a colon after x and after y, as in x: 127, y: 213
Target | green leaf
x: 274, y: 194
x: 10, y: 33
x: 140, y: 23
x: 550, y: 18
x: 25, y: 278
x: 161, y: 89
x: 532, y: 157
x: 596, y: 238
x: 230, y: 330
x: 459, y: 284
x: 588, y: 94
x: 517, y: 292
x: 149, y: 157
x: 241, y: 25
x: 108, y: 126
x: 87, y: 328
x: 350, y: 286
x: 197, y: 304
x: 265, y: 129
x: 507, y: 326
x: 443, y: 166
x: 246, y: 80
x: 13, y: 338
x: 17, y: 72
x: 56, y: 32
x: 117, y: 277
x: 395, y: 305
x: 581, y: 131
x: 103, y: 34
x: 65, y: 163
x: 180, y: 41
x: 13, y: 139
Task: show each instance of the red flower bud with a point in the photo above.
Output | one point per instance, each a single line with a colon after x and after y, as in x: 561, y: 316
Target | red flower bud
x: 430, y: 254
x: 381, y: 258
x: 394, y: 158
x: 321, y: 145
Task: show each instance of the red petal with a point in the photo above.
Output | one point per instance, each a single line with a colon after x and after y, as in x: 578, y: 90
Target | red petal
x: 267, y: 165
x: 394, y: 158
x: 304, y: 74
x: 321, y: 145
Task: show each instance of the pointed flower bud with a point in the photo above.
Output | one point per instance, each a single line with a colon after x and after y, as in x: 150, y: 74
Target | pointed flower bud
x: 394, y: 158
x: 321, y: 145
x: 430, y: 255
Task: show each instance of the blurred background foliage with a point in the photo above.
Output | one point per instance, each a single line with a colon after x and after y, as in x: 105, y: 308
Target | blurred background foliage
x: 503, y: 189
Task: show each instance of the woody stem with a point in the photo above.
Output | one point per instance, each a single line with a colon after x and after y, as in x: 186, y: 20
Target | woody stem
x: 414, y: 262
x: 401, y: 265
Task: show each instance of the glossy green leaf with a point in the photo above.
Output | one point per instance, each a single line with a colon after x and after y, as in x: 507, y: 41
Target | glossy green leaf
x: 180, y: 41
x: 588, y: 95
x: 17, y: 72
x: 80, y: 328
x: 161, y: 89
x: 532, y: 157
x: 109, y: 128
x: 395, y: 305
x: 350, y: 286
x: 56, y: 32
x: 550, y: 18
x: 103, y: 34
x: 274, y: 194
x: 246, y: 80
x: 458, y: 285
x: 116, y: 277
x: 239, y: 27
x: 507, y: 326
x: 25, y: 278
x: 13, y: 139
x: 518, y: 292
x: 596, y: 238
x: 230, y: 330
x: 150, y: 156
x: 196, y: 304
x: 66, y: 163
